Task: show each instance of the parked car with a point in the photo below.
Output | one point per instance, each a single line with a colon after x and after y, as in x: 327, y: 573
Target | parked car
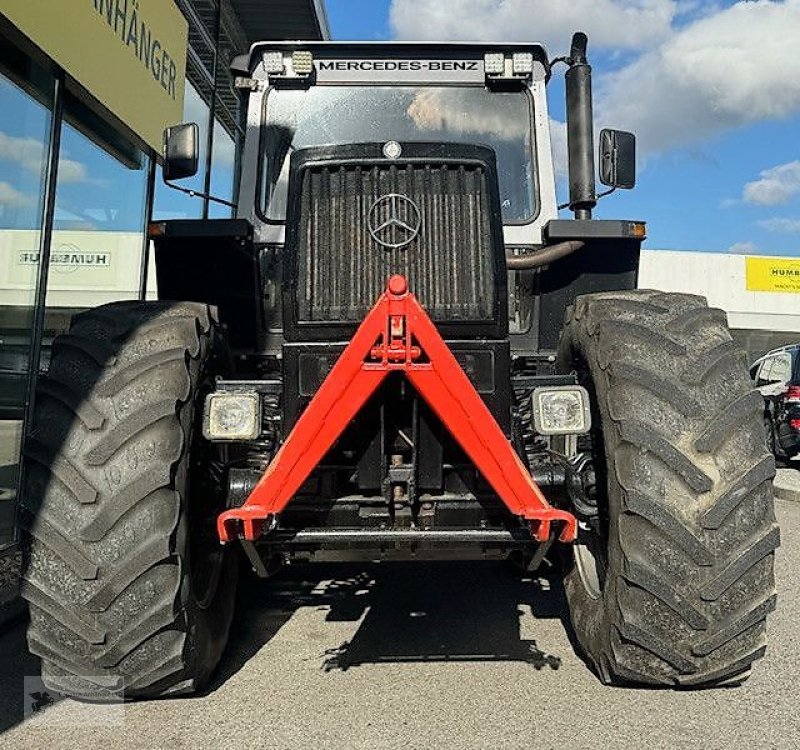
x: 777, y: 377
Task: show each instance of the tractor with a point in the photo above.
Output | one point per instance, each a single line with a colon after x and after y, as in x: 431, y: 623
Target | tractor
x: 397, y: 350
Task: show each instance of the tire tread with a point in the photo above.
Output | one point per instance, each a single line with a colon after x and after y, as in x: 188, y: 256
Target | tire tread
x: 694, y: 494
x: 96, y: 618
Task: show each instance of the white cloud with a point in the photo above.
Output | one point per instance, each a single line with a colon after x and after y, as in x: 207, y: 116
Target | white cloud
x: 435, y: 110
x: 743, y: 248
x: 10, y: 197
x: 774, y: 186
x: 72, y: 171
x: 29, y: 154
x: 701, y: 68
x: 788, y: 226
x: 734, y: 67
x: 610, y: 23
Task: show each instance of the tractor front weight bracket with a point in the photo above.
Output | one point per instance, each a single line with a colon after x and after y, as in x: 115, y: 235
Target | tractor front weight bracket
x: 397, y: 334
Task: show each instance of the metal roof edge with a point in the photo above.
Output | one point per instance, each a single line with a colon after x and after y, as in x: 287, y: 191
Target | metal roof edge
x: 322, y: 20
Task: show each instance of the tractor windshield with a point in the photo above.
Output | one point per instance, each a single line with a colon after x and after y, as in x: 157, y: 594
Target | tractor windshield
x: 335, y: 115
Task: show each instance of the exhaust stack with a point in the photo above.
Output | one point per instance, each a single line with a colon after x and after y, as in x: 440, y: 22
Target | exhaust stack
x: 580, y: 130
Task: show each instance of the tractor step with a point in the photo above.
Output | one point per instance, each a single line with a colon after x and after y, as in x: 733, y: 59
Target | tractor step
x: 377, y: 537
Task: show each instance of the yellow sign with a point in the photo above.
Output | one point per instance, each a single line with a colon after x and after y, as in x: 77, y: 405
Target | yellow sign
x: 773, y: 274
x: 130, y: 54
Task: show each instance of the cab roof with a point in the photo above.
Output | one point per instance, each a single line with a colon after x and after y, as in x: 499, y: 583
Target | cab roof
x: 411, y: 50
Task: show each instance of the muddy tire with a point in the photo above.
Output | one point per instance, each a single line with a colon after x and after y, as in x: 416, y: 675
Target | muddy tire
x: 129, y: 592
x: 672, y: 581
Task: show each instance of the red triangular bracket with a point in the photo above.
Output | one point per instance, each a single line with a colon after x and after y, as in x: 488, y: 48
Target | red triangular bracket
x: 397, y: 334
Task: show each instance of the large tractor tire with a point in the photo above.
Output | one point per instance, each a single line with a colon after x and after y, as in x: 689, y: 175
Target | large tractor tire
x: 671, y: 580
x: 130, y: 593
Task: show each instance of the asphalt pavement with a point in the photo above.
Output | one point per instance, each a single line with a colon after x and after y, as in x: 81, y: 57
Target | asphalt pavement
x: 422, y: 656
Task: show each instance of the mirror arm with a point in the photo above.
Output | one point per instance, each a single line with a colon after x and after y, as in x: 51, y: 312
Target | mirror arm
x: 196, y: 194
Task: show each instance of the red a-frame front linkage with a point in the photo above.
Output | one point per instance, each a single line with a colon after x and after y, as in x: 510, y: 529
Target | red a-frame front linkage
x: 397, y: 334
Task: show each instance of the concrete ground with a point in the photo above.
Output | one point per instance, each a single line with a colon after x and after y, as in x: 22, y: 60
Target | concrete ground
x: 787, y: 481
x: 10, y: 432
x: 425, y: 656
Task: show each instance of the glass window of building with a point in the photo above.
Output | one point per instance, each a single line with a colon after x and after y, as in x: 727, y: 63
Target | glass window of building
x: 223, y: 172
x: 98, y: 224
x: 173, y: 204
x: 26, y: 92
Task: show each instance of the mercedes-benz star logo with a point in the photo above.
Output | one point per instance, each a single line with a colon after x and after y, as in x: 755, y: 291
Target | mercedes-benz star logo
x: 394, y: 221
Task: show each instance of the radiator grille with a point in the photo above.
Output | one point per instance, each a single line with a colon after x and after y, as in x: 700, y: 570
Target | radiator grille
x: 342, y: 269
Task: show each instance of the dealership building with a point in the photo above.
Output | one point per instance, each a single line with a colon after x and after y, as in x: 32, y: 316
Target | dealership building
x: 86, y: 90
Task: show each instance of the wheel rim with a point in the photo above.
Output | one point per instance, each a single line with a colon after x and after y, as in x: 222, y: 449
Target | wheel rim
x: 590, y: 550
x: 205, y: 500
x: 206, y: 554
x: 592, y: 563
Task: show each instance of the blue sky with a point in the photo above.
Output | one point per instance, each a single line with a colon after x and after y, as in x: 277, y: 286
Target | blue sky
x: 710, y: 88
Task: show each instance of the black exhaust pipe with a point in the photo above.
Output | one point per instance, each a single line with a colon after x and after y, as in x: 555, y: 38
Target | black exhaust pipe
x: 580, y: 130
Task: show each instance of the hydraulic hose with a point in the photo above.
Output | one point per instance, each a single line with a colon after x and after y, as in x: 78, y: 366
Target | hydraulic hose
x: 544, y: 256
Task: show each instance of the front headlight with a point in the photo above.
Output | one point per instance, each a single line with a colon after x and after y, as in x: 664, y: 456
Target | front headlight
x: 232, y: 416
x: 561, y: 410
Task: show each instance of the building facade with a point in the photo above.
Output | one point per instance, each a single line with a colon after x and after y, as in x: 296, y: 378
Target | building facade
x: 759, y: 293
x: 86, y: 88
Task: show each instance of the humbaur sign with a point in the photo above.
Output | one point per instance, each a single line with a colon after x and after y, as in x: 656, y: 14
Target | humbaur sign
x: 86, y: 268
x: 766, y: 274
x: 67, y: 257
x: 130, y: 54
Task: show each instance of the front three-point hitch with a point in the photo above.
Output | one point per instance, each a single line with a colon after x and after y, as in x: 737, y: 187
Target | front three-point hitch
x: 396, y: 335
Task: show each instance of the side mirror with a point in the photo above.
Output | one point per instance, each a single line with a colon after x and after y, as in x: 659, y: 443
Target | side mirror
x: 181, y: 151
x: 617, y: 159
